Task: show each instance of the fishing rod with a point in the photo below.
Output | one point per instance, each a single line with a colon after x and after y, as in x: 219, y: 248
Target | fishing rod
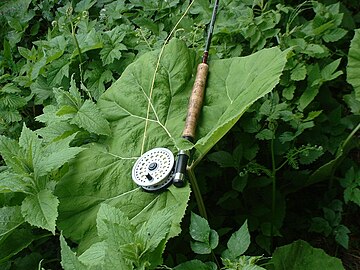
x: 157, y: 169
x: 195, y: 105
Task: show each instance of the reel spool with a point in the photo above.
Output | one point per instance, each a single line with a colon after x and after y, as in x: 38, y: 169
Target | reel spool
x: 154, y: 169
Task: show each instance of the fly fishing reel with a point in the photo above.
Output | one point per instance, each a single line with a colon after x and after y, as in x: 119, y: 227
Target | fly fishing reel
x: 154, y: 169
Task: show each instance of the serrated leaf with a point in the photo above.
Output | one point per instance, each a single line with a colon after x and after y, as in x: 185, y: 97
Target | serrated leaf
x: 57, y: 70
x: 342, y: 236
x: 14, y: 182
x: 41, y: 89
x: 10, y: 152
x: 352, y: 194
x: 55, y: 155
x: 239, y: 241
x: 155, y: 229
x: 40, y: 210
x: 102, y: 173
x: 10, y: 88
x: 31, y: 146
x: 107, y: 216
x: 265, y: 134
x: 310, y: 155
x: 118, y: 233
x: 353, y: 67
x: 96, y: 80
x: 109, y: 53
x: 113, y: 46
x: 10, y: 219
x: 199, y: 228
x: 90, y: 118
x: 95, y: 255
x: 69, y: 261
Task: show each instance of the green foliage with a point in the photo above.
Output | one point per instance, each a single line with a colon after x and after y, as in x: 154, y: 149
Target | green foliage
x: 330, y: 223
x: 278, y: 127
x: 122, y: 244
x: 353, y: 64
x: 301, y: 255
x: 205, y: 239
x: 351, y: 184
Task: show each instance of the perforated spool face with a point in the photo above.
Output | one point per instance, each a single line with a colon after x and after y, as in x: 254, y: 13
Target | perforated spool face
x: 153, y: 169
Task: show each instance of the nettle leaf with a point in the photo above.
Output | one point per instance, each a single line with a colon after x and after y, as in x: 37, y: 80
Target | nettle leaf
x: 102, y: 172
x: 41, y: 209
x: 123, y: 245
x: 353, y: 67
x: 90, y: 118
x: 14, y: 182
x: 69, y: 261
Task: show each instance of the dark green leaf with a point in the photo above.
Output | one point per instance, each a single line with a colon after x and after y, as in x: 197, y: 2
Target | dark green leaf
x: 192, y: 265
x: 10, y: 219
x: 199, y: 228
x: 200, y: 247
x: 300, y: 255
x: 239, y: 241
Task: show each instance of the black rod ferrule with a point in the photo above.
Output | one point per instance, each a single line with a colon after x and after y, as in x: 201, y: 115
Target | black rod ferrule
x: 180, y: 168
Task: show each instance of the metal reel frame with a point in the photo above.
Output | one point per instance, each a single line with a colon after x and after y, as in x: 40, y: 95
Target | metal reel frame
x: 154, y: 169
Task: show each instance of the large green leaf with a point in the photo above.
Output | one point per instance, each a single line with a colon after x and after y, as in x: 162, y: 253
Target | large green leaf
x: 102, y: 173
x: 353, y: 68
x: 300, y: 256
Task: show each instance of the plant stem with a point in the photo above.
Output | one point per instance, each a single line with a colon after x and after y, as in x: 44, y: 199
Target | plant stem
x: 200, y: 203
x: 356, y: 129
x: 197, y: 193
x: 78, y: 49
x: 273, y: 203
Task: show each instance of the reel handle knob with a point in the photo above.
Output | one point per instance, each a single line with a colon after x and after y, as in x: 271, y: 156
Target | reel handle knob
x: 180, y: 169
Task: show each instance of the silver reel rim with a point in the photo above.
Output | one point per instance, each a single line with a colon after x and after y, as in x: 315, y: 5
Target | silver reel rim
x: 153, y: 170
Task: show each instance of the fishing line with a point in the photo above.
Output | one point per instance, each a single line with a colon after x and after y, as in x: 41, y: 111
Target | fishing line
x: 154, y: 77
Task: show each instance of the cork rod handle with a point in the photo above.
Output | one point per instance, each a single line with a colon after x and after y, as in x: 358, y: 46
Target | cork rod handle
x: 195, y: 102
